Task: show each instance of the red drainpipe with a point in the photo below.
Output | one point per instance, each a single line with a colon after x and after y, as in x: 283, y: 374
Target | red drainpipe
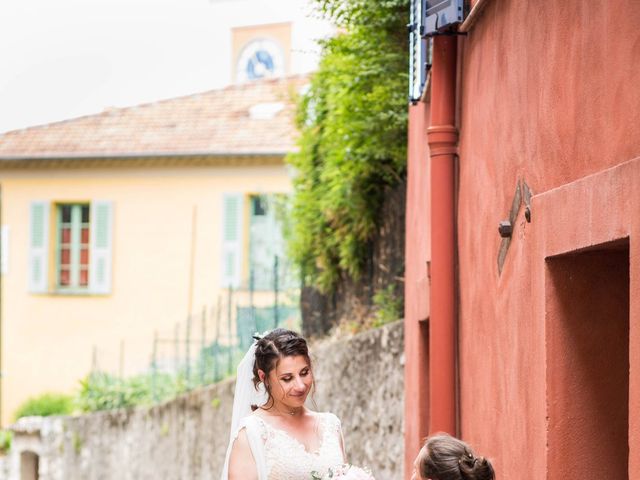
x: 442, y: 136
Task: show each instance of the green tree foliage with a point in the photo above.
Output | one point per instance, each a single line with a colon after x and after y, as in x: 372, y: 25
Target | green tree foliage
x: 353, y: 123
x: 45, y: 405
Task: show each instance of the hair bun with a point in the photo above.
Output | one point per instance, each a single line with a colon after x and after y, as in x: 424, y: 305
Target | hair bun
x: 475, y: 468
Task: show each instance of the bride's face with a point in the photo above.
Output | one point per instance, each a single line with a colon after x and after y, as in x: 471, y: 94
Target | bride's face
x: 291, y: 381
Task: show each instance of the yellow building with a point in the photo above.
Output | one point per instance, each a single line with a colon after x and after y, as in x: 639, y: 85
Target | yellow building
x: 121, y: 224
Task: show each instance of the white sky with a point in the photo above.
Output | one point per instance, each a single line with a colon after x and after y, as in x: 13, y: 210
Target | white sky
x: 61, y: 59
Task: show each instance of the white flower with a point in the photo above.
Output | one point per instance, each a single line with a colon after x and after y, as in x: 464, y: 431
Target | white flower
x: 344, y: 472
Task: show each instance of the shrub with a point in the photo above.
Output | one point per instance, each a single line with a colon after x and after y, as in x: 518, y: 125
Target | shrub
x: 45, y: 405
x: 388, y: 306
x: 102, y: 391
x: 5, y: 441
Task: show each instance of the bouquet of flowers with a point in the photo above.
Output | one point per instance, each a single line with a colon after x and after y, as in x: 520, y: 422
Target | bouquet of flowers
x: 344, y: 472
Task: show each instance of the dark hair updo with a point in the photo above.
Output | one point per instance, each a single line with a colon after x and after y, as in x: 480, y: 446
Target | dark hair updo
x: 448, y: 458
x: 271, y: 348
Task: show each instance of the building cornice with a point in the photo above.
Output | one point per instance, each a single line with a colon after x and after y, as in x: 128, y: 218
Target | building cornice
x: 26, y: 162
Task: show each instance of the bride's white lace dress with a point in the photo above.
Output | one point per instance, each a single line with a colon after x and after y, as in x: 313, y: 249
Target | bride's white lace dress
x: 279, y: 456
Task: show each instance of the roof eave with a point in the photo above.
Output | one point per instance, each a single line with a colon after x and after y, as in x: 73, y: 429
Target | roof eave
x: 143, y: 159
x: 128, y: 155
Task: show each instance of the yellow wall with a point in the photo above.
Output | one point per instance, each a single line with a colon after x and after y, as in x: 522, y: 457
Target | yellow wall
x: 47, y: 340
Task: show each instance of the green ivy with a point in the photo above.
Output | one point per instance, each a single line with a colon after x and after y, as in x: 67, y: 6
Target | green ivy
x: 353, y: 123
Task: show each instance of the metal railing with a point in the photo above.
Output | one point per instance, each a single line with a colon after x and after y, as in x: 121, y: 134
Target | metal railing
x: 207, y: 346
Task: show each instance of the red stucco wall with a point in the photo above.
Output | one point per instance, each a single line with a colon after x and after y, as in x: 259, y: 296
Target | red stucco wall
x: 416, y: 309
x: 418, y: 217
x: 597, y: 211
x: 587, y: 337
x: 547, y: 94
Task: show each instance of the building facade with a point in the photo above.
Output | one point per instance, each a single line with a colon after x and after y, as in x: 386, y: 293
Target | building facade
x: 522, y: 329
x: 119, y: 225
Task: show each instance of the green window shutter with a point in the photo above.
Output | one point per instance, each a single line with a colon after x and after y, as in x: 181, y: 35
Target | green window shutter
x: 39, y: 247
x: 100, y: 250
x: 263, y: 241
x: 266, y: 242
x: 231, y: 264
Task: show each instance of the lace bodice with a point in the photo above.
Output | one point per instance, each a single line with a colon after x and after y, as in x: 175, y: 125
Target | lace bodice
x: 286, y: 458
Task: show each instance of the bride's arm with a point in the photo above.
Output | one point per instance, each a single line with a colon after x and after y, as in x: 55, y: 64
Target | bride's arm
x: 242, y: 465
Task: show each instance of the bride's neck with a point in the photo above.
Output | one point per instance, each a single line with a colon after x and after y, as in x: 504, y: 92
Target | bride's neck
x: 284, y: 411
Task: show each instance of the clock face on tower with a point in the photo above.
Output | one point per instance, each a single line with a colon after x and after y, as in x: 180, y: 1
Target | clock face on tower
x: 260, y: 59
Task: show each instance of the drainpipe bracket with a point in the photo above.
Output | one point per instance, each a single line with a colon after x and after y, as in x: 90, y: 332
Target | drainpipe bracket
x: 443, y: 140
x: 442, y: 133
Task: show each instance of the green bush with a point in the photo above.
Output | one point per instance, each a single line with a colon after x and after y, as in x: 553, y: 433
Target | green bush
x: 5, y: 441
x: 45, y: 405
x: 387, y: 306
x: 102, y: 391
x: 353, y: 123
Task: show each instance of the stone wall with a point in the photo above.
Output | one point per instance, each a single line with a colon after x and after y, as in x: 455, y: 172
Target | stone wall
x: 4, y: 466
x: 360, y: 379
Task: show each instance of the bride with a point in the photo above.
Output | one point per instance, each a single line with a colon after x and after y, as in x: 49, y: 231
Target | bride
x: 273, y: 435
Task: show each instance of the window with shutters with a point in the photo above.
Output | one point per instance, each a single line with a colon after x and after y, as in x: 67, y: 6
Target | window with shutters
x: 254, y: 259
x: 73, y: 253
x: 264, y: 241
x: 72, y: 248
x: 269, y: 268
x: 232, y: 208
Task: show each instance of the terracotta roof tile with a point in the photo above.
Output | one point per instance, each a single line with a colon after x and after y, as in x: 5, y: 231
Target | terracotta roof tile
x: 217, y: 122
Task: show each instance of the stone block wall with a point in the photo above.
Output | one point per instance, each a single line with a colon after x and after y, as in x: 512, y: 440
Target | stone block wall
x: 4, y: 466
x: 360, y: 379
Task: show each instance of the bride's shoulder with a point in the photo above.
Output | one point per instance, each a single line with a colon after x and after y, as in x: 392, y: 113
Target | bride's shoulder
x: 328, y: 417
x: 253, y: 421
x: 256, y: 417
